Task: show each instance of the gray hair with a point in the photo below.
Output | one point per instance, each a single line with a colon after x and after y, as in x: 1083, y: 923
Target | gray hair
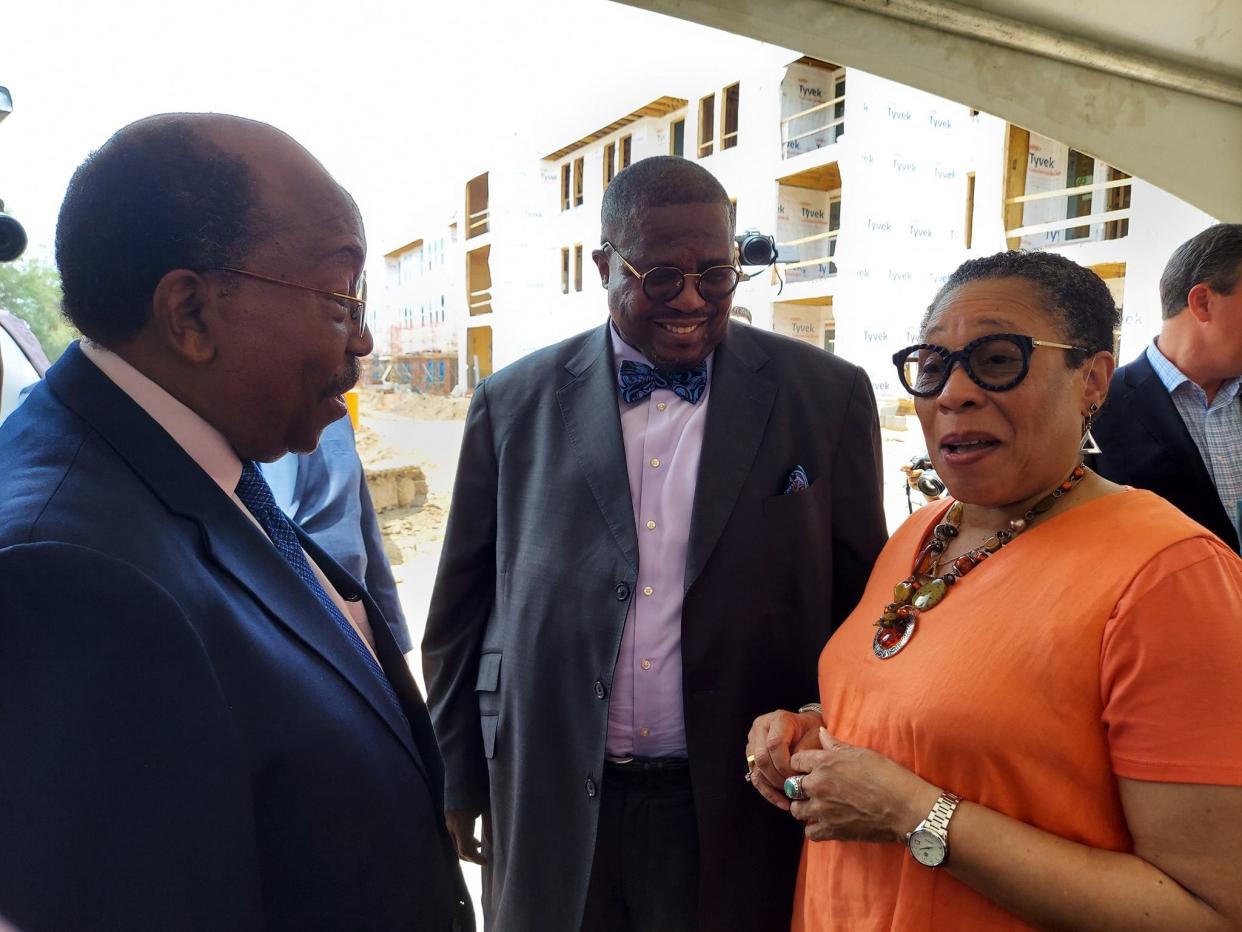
x: 1213, y: 258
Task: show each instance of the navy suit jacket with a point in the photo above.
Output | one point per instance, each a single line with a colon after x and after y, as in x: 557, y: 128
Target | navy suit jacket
x: 1145, y: 444
x: 187, y: 741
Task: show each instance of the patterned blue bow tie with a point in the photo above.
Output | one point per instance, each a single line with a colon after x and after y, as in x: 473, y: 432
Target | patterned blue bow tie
x: 638, y: 380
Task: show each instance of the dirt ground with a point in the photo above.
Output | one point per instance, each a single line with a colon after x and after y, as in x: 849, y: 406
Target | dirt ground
x: 403, y: 429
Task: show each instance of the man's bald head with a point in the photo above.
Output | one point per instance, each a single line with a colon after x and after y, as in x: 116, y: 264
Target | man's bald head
x: 659, y: 181
x: 174, y: 191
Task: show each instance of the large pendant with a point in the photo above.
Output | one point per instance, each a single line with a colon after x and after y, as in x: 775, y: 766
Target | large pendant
x: 889, y: 641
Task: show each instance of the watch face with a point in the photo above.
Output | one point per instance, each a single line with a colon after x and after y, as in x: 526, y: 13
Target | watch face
x: 928, y: 848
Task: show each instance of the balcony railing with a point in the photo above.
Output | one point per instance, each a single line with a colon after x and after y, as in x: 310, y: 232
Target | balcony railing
x: 815, y: 256
x: 1116, y: 220
x: 788, y: 136
x: 481, y: 301
x: 478, y: 223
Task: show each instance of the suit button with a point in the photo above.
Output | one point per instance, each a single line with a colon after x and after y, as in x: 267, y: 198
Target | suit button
x: 622, y: 591
x: 599, y: 689
x: 590, y: 788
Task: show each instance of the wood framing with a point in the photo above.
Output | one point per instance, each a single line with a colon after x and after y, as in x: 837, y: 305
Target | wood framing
x: 1017, y: 154
x: 661, y: 106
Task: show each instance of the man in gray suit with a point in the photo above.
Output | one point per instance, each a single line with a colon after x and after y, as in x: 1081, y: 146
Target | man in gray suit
x: 655, y: 527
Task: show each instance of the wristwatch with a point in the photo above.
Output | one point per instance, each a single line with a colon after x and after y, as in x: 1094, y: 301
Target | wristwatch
x: 929, y: 842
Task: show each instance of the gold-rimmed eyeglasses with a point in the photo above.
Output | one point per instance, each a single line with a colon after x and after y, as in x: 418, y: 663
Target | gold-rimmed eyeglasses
x: 664, y: 283
x: 354, y: 304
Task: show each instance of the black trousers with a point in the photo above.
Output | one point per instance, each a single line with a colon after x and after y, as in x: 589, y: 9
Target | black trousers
x: 645, y: 875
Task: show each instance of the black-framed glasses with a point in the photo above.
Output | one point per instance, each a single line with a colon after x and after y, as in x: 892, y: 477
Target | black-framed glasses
x: 664, y: 283
x: 355, y: 305
x: 996, y: 362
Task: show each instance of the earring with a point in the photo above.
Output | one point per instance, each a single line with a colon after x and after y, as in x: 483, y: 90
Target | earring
x: 1088, y: 445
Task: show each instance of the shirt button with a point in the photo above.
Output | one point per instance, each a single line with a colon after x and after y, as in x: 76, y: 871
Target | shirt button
x: 647, y: 590
x: 644, y: 732
x: 622, y: 592
x: 599, y: 689
x: 662, y: 405
x: 590, y: 788
x: 651, y: 525
x: 646, y: 664
x: 655, y: 462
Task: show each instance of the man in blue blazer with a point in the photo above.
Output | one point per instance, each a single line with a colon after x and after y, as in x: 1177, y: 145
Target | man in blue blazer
x: 1173, y: 419
x: 204, y: 721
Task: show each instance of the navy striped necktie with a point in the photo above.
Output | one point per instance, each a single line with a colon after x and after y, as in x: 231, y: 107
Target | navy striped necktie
x: 256, y: 495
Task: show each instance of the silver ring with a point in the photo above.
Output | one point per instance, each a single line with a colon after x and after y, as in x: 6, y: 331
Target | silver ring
x: 793, y: 787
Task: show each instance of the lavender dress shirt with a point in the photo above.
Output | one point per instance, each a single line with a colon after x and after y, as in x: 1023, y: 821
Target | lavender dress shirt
x: 663, y: 439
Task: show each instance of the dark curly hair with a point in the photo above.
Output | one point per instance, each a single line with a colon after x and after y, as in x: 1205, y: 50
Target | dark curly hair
x: 1077, y: 298
x: 157, y: 196
x: 658, y: 181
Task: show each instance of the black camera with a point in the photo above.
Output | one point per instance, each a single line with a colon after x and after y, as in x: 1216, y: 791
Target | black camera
x: 12, y: 236
x: 755, y: 248
x: 928, y: 482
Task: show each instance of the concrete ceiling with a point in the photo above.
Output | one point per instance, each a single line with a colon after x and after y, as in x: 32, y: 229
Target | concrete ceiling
x: 1198, y: 34
x: 1154, y: 88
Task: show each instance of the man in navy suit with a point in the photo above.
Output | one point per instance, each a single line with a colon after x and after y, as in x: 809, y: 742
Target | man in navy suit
x: 204, y: 721
x: 1173, y: 420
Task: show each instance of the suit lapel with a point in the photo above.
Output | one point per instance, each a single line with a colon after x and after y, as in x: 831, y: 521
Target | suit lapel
x: 1152, y: 405
x: 740, y: 402
x: 391, y: 661
x: 244, y: 552
x: 233, y: 542
x: 593, y: 425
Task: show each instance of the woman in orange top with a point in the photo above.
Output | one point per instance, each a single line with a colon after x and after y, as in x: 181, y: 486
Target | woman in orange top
x: 1040, y: 693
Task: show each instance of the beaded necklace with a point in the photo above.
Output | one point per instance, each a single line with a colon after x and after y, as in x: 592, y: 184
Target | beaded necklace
x: 926, y: 587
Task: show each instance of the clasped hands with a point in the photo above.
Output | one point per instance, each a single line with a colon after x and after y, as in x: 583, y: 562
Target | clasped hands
x: 853, y: 794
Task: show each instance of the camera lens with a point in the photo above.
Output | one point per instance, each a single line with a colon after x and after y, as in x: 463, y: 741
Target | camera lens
x: 12, y: 239
x: 753, y: 248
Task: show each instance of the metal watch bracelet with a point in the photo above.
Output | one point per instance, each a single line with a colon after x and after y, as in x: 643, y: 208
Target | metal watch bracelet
x: 943, y: 811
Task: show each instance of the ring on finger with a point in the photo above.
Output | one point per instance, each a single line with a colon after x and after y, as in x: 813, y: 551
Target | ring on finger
x: 793, y: 787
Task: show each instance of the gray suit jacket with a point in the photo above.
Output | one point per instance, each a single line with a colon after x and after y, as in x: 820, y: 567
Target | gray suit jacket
x: 540, y: 562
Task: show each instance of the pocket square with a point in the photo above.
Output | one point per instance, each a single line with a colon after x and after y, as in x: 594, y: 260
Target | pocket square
x: 798, y: 481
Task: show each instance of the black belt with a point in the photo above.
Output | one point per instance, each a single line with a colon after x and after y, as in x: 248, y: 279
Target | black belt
x: 665, y: 771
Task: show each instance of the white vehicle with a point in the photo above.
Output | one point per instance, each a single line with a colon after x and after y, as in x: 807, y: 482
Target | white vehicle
x: 22, y: 362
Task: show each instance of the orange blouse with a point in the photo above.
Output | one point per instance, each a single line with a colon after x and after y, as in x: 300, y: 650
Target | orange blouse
x: 1105, y: 642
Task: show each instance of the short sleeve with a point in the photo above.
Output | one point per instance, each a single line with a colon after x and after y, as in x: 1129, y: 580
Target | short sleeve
x: 1171, y: 669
